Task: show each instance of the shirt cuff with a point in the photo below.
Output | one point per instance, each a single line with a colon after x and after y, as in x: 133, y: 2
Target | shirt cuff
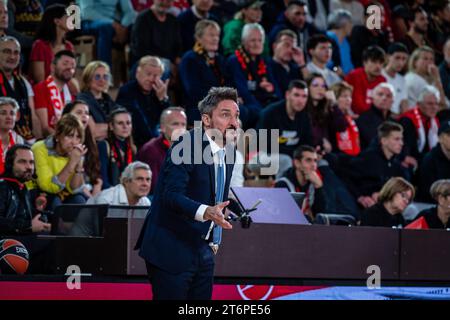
x: 200, y: 213
x: 56, y: 181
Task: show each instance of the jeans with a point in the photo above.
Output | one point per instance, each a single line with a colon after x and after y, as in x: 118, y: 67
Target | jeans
x: 104, y: 33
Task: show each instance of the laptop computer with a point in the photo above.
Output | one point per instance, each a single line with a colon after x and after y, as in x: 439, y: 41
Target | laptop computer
x: 273, y: 205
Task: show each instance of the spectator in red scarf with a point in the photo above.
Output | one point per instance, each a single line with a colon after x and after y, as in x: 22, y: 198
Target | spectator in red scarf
x: 8, y: 137
x: 252, y: 74
x: 173, y: 125
x: 347, y: 141
x: 53, y: 93
x: 421, y: 124
x: 118, y: 150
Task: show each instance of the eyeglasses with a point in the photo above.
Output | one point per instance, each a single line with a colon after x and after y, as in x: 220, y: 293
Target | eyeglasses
x: 404, y: 195
x: 106, y: 77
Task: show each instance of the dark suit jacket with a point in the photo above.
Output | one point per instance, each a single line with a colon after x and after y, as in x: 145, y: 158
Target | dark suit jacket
x: 171, y: 237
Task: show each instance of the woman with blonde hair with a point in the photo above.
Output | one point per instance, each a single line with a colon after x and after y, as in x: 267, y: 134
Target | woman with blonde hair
x: 96, y: 80
x: 422, y: 71
x: 438, y: 216
x: 394, y: 197
x: 59, y: 163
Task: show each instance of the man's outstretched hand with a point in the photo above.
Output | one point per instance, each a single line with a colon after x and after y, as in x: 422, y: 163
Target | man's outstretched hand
x: 216, y: 215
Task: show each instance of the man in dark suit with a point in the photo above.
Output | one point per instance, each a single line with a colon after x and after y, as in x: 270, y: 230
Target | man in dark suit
x: 183, y: 228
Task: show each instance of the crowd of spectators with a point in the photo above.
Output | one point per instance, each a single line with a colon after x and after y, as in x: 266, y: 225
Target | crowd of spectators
x: 363, y: 113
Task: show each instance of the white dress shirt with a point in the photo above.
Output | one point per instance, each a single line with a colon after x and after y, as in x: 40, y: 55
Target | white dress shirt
x: 116, y: 196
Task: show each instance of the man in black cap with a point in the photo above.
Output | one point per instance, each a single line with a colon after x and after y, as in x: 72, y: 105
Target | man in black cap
x: 435, y: 164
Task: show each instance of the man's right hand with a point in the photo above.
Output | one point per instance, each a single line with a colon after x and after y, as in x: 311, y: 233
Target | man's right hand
x: 39, y: 226
x: 216, y: 215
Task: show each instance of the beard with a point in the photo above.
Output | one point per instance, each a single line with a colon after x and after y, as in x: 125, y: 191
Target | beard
x: 24, y: 176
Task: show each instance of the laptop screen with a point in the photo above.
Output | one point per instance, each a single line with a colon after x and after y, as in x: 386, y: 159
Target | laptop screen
x: 276, y: 205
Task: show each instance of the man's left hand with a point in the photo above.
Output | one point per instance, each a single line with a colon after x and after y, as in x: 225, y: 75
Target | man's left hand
x: 215, y: 214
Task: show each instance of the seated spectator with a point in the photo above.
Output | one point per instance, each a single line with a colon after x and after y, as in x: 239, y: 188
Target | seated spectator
x: 294, y: 18
x: 118, y: 149
x: 366, y: 78
x: 145, y: 98
x: 249, y: 12
x: 355, y: 8
x: 288, y: 61
x: 305, y: 177
x: 423, y: 72
x: 347, y: 141
x: 320, y: 49
x: 397, y: 58
x: 199, y: 10
x: 437, y: 217
x: 8, y: 137
x: 417, y: 33
x: 202, y: 67
x: 132, y: 190
x: 379, y: 112
x: 99, y: 18
x: 251, y: 74
x: 444, y: 71
x: 382, y: 160
x: 6, y: 28
x: 18, y: 88
x: 96, y: 80
x: 362, y: 37
x: 421, y: 125
x: 290, y: 118
x: 400, y: 18
x: 53, y: 93
x: 340, y: 28
x: 435, y: 164
x: 326, y: 118
x: 172, y: 126
x: 17, y: 216
x: 50, y: 39
x: 60, y: 163
x: 91, y: 160
x: 318, y: 11
x: 439, y: 24
x: 393, y: 199
x: 157, y: 33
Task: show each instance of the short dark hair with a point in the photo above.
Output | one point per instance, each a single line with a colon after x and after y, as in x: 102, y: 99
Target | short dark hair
x: 315, y: 40
x: 415, y: 11
x: 385, y: 129
x: 298, y: 153
x: 373, y: 53
x: 397, y: 47
x: 299, y: 3
x: 62, y: 53
x: 11, y: 156
x: 214, y: 97
x: 285, y: 32
x: 72, y: 104
x: 298, y: 84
